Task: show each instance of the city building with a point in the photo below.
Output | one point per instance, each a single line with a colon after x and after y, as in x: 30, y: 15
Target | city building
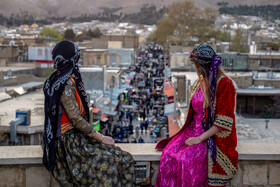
x: 114, y: 41
x: 9, y: 53
x: 41, y: 55
x: 128, y: 41
x: 109, y: 57
x: 233, y: 61
x: 100, y: 57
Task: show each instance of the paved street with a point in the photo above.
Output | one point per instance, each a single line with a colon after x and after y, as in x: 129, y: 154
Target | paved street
x: 144, y: 102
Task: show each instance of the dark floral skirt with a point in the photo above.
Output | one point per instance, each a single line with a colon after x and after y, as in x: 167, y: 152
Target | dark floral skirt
x: 83, y: 161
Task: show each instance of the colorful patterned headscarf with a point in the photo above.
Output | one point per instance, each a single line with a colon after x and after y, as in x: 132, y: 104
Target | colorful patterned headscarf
x: 204, y: 54
x: 65, y: 57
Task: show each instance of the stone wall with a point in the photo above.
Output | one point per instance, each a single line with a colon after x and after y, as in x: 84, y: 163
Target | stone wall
x: 259, y: 165
x: 250, y: 173
x: 26, y: 176
x: 93, y: 78
x: 257, y: 173
x: 3, y: 62
x: 179, y: 60
x: 243, y: 81
x: 31, y: 71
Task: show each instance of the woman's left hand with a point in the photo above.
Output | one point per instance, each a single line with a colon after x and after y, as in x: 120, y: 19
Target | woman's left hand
x: 108, y: 140
x: 193, y: 140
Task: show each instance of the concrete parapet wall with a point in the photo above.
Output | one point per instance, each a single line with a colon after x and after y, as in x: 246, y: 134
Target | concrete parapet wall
x: 259, y: 164
x: 243, y: 81
x: 275, y: 83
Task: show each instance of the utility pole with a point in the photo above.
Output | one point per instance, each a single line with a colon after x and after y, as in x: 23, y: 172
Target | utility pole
x: 112, y: 87
x: 120, y: 80
x: 174, y: 100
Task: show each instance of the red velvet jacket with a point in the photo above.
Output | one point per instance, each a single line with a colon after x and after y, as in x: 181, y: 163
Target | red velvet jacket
x: 225, y: 167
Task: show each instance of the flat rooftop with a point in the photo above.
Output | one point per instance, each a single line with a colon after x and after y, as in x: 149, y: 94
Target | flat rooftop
x: 33, y: 101
x: 91, y: 69
x: 12, y: 68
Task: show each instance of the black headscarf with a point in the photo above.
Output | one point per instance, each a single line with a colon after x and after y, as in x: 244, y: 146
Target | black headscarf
x: 65, y: 56
x: 204, y: 54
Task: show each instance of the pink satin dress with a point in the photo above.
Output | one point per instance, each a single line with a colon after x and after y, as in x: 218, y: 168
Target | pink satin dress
x: 181, y: 165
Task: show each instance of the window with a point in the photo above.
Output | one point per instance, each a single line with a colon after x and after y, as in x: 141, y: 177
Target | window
x: 227, y: 63
x: 98, y: 57
x: 40, y: 52
x: 264, y: 63
x: 4, y: 49
x: 231, y: 62
x: 276, y: 63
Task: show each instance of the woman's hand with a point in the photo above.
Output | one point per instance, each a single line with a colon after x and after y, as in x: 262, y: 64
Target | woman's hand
x: 193, y: 140
x: 108, y: 140
x: 196, y: 140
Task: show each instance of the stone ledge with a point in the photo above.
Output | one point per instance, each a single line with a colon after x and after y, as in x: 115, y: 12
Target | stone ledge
x: 13, y: 155
x: 24, y: 129
x: 259, y: 151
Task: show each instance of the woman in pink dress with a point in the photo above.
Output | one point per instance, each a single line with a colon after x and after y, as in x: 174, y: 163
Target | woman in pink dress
x: 192, y: 157
x: 180, y: 162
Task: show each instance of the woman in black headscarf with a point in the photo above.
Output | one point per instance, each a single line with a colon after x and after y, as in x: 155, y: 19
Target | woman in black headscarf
x: 74, y: 152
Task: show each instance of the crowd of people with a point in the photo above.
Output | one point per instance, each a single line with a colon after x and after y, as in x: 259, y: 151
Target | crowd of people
x: 141, y: 108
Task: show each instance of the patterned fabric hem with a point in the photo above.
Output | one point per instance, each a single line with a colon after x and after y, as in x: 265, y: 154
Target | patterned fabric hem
x: 218, y: 182
x: 215, y: 179
x: 66, y: 127
x: 224, y: 122
x: 225, y: 163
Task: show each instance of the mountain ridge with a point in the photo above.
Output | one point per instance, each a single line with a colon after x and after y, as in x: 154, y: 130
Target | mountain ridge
x: 68, y: 8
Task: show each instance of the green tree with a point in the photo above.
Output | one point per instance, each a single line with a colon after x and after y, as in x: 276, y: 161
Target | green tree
x: 96, y: 33
x: 69, y: 35
x: 50, y: 32
x: 239, y: 42
x: 269, y: 111
x: 185, y: 21
x: 165, y: 29
x: 276, y: 106
x: 223, y: 36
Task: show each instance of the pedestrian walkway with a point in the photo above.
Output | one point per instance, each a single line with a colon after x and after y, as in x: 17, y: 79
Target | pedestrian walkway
x: 254, y: 130
x: 142, y: 106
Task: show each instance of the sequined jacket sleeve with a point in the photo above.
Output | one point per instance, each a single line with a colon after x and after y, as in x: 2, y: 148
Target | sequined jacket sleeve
x: 70, y: 105
x: 225, y: 167
x: 225, y: 105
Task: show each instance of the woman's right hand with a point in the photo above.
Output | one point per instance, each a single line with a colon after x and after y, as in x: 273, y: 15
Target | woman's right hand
x: 108, y: 140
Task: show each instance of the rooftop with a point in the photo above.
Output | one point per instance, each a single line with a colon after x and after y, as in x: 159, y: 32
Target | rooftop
x: 7, y: 68
x: 33, y: 101
x: 91, y: 69
x: 95, y: 50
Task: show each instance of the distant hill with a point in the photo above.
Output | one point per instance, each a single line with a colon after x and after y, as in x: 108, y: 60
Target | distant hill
x: 59, y: 8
